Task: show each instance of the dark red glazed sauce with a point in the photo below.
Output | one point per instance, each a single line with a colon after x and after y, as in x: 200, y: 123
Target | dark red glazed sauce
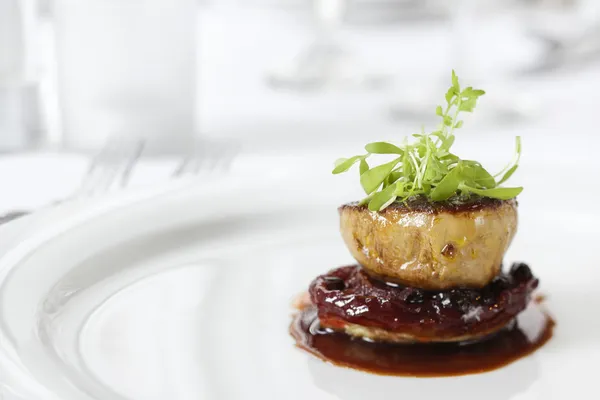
x: 349, y: 295
x: 418, y: 360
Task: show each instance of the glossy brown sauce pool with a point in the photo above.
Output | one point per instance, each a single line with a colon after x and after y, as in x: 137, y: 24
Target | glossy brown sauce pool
x: 418, y: 360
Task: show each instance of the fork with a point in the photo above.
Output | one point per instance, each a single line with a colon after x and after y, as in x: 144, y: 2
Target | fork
x: 113, y: 164
x: 207, y: 157
x: 111, y: 167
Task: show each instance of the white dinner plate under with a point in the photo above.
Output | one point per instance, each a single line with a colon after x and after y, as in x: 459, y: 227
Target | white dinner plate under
x: 184, y: 293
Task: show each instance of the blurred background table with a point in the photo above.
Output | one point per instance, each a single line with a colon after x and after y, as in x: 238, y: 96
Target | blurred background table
x: 543, y: 73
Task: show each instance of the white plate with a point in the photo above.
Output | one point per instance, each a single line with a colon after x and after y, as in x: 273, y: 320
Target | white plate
x: 184, y: 293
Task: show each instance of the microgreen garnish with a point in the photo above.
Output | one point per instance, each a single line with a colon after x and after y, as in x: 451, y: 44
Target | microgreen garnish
x: 426, y: 166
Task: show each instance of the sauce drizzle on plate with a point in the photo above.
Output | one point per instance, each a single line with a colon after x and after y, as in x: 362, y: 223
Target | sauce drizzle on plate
x: 417, y: 360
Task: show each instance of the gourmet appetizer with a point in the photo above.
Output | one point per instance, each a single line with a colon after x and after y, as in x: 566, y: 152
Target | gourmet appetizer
x: 429, y: 238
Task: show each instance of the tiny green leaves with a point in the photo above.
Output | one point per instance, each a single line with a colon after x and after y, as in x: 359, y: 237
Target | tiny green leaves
x: 468, y: 105
x: 383, y: 148
x: 382, y: 199
x: 426, y: 167
x: 455, y: 84
x: 447, y: 186
x: 469, y: 98
x: 392, y: 178
x: 508, y: 174
x: 447, y: 143
x: 472, y: 93
x: 364, y: 166
x: 475, y: 175
x: 344, y: 164
x: 497, y: 193
x: 450, y: 95
x: 483, y: 178
x: 373, y: 178
x: 512, y: 167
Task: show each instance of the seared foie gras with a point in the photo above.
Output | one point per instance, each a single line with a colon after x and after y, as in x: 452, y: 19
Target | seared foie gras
x: 432, y: 245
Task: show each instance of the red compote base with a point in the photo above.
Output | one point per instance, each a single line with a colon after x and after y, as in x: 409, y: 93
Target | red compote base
x: 350, y: 296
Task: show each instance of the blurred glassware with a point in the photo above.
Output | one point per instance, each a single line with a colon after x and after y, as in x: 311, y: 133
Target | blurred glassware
x: 12, y: 39
x: 486, y: 47
x: 20, y: 127
x: 327, y: 62
x: 19, y: 99
x: 382, y: 12
x: 126, y: 67
x: 568, y: 29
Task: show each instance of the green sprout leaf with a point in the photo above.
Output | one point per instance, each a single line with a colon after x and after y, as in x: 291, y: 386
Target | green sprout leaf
x: 366, y: 200
x: 426, y: 166
x: 373, y: 178
x: 475, y: 175
x: 497, y: 193
x: 392, y: 178
x: 450, y: 95
x: 468, y: 105
x: 512, y: 167
x: 382, y: 199
x: 508, y: 174
x: 455, y: 84
x: 383, y: 148
x: 344, y: 164
x: 364, y: 166
x: 447, y: 143
x: 447, y: 186
x: 470, y: 92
